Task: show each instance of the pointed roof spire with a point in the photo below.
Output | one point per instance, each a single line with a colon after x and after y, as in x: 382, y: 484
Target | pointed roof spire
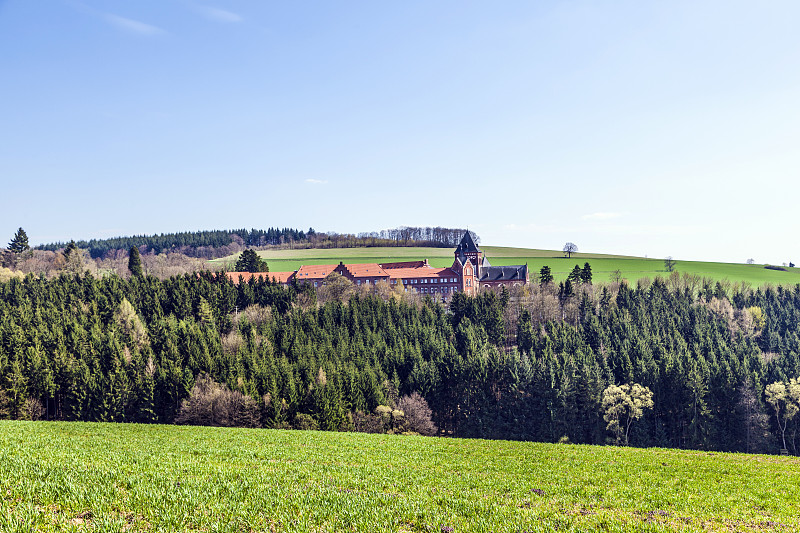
x: 467, y: 244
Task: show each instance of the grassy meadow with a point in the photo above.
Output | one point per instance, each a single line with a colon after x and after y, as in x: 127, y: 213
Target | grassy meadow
x: 125, y: 477
x: 603, y: 266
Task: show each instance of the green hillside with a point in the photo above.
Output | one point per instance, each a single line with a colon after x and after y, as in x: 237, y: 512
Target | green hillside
x: 125, y: 477
x: 603, y: 266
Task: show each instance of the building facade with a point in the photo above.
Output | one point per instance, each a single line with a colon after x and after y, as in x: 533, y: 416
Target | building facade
x: 470, y: 271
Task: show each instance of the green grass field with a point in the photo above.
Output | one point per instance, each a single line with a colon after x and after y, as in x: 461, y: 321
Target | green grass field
x: 632, y: 268
x: 114, y: 478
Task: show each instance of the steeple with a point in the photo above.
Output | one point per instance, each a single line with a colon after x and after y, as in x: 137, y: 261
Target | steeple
x: 467, y: 244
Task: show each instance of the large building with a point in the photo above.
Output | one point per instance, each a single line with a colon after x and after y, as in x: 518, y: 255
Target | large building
x: 470, y: 271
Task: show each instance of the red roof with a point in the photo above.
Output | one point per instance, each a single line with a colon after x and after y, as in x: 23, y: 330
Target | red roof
x: 405, y: 264
x: 409, y: 273
x: 314, y: 271
x: 280, y: 277
x: 366, y: 270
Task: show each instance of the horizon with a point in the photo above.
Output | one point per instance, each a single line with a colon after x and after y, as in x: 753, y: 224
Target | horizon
x: 633, y: 129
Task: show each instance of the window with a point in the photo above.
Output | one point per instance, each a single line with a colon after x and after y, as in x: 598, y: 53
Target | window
x: 358, y: 282
x: 315, y: 283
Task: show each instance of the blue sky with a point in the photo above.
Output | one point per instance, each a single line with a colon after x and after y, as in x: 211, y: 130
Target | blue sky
x: 641, y: 128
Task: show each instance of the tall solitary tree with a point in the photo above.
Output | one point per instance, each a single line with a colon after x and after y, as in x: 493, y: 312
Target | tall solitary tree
x: 135, y: 262
x: 20, y: 242
x: 570, y: 248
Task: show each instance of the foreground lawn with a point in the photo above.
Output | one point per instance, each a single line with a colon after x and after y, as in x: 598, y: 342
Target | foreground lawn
x: 603, y: 266
x: 106, y: 477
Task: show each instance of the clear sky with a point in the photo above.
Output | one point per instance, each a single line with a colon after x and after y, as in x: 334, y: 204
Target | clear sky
x: 641, y: 128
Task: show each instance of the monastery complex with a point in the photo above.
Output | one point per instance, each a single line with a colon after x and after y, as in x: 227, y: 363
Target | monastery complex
x: 470, y: 271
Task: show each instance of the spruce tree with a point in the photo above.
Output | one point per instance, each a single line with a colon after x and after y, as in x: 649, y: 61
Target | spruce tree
x: 545, y: 275
x: 586, y: 274
x: 135, y: 262
x: 19, y: 243
x: 250, y: 261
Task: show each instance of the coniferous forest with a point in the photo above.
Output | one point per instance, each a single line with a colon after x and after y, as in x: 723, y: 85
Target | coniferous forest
x: 529, y: 364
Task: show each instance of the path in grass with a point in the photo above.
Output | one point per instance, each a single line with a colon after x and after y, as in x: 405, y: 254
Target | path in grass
x: 107, y: 477
x: 603, y: 266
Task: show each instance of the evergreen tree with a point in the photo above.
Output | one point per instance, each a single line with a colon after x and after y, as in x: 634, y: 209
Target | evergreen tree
x: 575, y: 276
x: 250, y: 261
x: 19, y: 243
x: 135, y: 262
x: 70, y: 249
x: 586, y: 274
x: 545, y: 276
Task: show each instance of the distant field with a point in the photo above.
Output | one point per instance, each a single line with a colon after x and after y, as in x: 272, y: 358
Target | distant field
x: 104, y: 477
x: 632, y: 268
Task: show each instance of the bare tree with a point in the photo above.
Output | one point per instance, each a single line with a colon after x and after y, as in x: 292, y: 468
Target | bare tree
x: 212, y: 404
x: 755, y: 420
x: 570, y: 248
x: 419, y: 417
x: 669, y: 264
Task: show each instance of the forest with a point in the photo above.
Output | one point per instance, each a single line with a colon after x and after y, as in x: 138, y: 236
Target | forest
x: 220, y: 243
x: 531, y: 363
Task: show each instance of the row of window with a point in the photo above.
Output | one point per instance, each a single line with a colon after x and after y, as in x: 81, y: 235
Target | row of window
x: 434, y: 290
x: 429, y: 280
x: 409, y: 281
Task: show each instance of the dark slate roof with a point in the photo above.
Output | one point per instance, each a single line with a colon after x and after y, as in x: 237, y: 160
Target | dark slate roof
x: 504, y: 273
x: 467, y: 244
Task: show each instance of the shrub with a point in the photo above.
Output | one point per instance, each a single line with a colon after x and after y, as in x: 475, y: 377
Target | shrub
x: 212, y: 404
x: 367, y: 423
x: 304, y: 421
x: 33, y: 409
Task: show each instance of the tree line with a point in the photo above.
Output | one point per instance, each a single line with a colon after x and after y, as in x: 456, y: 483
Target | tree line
x: 220, y: 243
x: 526, y: 363
x: 205, y: 244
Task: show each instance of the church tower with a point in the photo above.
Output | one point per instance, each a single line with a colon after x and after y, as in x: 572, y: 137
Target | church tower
x: 468, y: 262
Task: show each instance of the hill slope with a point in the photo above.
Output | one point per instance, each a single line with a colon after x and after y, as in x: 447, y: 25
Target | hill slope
x: 603, y: 266
x: 61, y: 476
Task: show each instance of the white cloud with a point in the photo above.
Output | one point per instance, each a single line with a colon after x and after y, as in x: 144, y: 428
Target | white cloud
x: 220, y: 15
x: 316, y: 182
x: 132, y: 25
x: 601, y: 216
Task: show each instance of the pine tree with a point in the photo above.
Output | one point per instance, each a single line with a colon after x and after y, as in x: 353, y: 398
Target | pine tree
x: 135, y: 262
x: 586, y: 274
x: 250, y: 261
x: 575, y: 276
x: 19, y: 243
x: 545, y: 275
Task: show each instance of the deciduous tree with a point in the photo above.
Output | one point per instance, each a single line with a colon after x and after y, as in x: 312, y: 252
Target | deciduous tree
x: 622, y: 404
x: 784, y: 397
